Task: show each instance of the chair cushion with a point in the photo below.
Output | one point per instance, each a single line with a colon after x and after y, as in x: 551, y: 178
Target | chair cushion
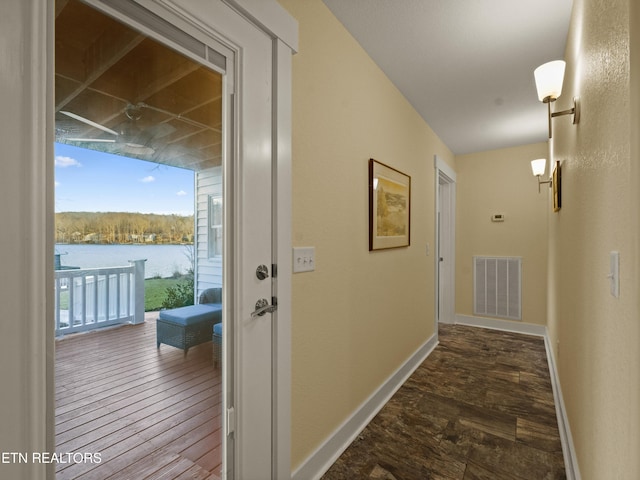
x: 217, y: 329
x: 192, y: 314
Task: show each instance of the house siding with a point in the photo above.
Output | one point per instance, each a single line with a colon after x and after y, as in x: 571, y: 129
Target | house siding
x: 208, y: 269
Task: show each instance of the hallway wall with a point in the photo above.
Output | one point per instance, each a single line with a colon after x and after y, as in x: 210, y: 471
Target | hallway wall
x: 501, y: 181
x: 360, y: 315
x: 595, y: 336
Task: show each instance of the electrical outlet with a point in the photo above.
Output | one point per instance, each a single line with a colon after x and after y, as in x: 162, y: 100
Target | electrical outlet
x: 614, y: 273
x: 304, y: 259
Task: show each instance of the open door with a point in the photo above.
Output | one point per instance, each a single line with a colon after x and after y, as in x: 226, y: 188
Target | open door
x: 445, y: 239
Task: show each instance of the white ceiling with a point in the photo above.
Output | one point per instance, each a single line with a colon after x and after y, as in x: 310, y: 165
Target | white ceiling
x: 465, y: 65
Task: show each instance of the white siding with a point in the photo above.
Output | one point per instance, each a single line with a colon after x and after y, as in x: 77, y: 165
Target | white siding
x: 208, y: 270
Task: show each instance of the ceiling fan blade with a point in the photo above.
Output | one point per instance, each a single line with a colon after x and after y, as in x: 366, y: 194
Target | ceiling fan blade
x: 89, y: 122
x: 95, y: 140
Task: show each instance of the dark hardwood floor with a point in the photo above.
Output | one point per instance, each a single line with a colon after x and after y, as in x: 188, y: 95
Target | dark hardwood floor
x: 149, y: 413
x: 480, y: 407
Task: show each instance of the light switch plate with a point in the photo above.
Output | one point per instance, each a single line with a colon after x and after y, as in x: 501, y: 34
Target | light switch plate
x: 304, y: 259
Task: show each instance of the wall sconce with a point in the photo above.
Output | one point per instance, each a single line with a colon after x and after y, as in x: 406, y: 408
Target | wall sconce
x: 549, y: 78
x: 538, y: 168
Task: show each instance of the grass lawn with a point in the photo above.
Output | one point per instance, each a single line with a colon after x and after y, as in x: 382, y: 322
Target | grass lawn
x: 155, y: 291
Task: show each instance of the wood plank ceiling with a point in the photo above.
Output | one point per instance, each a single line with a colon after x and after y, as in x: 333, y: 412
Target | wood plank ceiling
x: 146, y: 100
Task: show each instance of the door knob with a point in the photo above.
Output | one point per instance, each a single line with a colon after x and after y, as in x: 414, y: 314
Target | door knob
x: 262, y: 307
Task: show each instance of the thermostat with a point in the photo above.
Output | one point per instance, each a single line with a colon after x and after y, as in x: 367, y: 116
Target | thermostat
x: 497, y: 217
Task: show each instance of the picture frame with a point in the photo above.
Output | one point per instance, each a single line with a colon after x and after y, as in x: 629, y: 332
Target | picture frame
x: 557, y: 187
x: 389, y: 207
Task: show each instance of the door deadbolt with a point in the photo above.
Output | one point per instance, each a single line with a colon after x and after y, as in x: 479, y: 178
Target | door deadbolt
x: 262, y: 272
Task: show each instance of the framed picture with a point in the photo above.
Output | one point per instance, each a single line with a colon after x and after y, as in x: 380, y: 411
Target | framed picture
x: 557, y: 187
x: 389, y: 207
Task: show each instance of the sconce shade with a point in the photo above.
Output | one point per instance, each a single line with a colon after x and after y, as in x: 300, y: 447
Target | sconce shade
x: 539, y: 166
x: 549, y: 78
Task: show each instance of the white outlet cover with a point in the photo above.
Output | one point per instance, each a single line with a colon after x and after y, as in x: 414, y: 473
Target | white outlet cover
x: 614, y: 273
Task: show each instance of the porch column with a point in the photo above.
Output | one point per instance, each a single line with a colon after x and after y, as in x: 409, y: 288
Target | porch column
x: 138, y: 289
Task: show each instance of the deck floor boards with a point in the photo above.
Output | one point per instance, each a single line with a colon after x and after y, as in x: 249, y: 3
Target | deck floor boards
x: 150, y: 413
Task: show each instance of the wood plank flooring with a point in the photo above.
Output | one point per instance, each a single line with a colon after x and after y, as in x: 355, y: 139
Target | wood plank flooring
x: 480, y: 407
x: 148, y: 413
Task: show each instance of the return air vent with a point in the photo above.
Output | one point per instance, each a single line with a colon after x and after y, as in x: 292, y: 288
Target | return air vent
x: 497, y: 287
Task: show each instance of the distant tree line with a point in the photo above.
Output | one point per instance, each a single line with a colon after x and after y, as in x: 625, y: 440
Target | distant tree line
x: 123, y: 227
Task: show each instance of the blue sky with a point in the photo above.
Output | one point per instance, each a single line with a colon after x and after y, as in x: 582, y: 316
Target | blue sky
x: 91, y: 181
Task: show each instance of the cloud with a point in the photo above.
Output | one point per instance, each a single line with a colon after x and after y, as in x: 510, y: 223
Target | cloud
x: 148, y: 179
x: 56, y: 184
x: 64, y: 162
x: 181, y: 193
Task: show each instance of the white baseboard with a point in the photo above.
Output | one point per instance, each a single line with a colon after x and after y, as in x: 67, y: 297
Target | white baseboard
x: 319, y: 461
x: 504, y: 325
x: 568, y: 450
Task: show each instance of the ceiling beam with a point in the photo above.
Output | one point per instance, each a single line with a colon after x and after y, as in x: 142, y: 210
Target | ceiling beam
x: 166, y: 80
x: 100, y: 56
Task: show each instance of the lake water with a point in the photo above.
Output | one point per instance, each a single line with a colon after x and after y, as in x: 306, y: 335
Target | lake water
x: 162, y: 260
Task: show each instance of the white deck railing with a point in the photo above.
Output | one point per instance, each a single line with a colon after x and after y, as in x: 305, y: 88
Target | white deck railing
x: 86, y: 299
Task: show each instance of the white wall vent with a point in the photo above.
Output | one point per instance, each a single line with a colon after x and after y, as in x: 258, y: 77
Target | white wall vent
x: 497, y: 287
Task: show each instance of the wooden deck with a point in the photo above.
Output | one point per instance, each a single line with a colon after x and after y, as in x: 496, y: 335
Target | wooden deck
x: 143, y: 412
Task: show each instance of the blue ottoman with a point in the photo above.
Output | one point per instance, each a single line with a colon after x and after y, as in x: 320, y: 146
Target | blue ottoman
x: 186, y: 327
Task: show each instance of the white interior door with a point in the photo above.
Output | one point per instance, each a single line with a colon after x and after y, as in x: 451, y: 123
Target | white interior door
x: 445, y: 253
x: 445, y: 231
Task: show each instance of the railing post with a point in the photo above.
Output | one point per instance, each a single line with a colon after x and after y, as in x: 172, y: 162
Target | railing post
x: 138, y: 298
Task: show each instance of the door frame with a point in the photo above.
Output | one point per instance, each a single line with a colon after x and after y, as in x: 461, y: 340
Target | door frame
x: 445, y: 236
x: 29, y: 340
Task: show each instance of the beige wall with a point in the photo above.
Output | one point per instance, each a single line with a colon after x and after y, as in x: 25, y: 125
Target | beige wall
x: 596, y: 336
x: 634, y: 261
x: 360, y: 315
x: 500, y: 181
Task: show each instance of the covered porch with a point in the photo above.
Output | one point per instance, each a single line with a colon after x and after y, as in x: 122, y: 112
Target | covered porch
x: 141, y: 412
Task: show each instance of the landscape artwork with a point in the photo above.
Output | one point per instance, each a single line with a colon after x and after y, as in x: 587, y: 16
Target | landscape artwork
x: 557, y: 188
x: 389, y: 207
